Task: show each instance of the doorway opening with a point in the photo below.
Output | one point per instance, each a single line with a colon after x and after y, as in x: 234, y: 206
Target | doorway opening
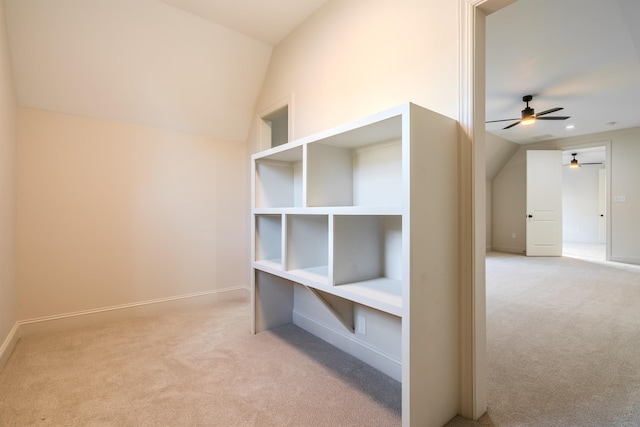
x: 584, y: 203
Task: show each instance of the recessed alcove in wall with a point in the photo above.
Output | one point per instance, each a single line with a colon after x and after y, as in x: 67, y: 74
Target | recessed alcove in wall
x: 275, y: 124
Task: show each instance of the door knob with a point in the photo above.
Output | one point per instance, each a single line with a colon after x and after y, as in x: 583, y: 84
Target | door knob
x: 530, y: 216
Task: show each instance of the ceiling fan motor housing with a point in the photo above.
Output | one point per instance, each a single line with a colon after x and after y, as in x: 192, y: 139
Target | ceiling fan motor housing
x: 528, y: 111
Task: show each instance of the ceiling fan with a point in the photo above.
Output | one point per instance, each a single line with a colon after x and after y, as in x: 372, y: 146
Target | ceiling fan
x: 529, y: 116
x: 575, y: 164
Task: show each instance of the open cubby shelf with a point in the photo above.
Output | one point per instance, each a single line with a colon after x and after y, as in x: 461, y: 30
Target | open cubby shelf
x: 355, y: 239
x: 353, y: 256
x: 278, y: 179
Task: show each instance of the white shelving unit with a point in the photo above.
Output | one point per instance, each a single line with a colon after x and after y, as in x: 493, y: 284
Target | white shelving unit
x: 355, y: 239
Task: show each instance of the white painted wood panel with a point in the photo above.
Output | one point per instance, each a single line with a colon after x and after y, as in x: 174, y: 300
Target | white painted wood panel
x: 377, y: 175
x: 544, y: 203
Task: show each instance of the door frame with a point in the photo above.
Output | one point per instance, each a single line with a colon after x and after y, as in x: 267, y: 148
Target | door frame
x: 607, y: 166
x: 471, y: 116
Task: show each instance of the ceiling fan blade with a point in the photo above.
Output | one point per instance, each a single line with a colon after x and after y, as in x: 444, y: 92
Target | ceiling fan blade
x: 503, y: 120
x: 512, y: 125
x: 554, y: 118
x: 553, y: 110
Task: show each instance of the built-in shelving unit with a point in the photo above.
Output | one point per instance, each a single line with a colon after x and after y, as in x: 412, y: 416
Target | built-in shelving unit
x: 355, y: 240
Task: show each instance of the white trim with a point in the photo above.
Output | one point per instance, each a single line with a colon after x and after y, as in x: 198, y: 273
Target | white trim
x: 347, y: 343
x: 9, y: 344
x: 101, y: 315
x: 625, y: 260
x: 473, y: 403
x: 76, y: 319
x: 607, y: 144
x: 473, y: 353
x: 509, y: 249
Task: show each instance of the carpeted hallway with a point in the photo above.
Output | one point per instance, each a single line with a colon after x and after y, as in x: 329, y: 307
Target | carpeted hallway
x: 563, y: 350
x: 563, y: 342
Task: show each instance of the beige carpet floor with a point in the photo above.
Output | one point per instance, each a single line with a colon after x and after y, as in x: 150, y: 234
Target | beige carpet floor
x: 191, y: 368
x: 563, y: 343
x: 563, y: 350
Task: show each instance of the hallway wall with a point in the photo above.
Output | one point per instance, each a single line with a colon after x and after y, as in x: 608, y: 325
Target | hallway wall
x: 8, y: 166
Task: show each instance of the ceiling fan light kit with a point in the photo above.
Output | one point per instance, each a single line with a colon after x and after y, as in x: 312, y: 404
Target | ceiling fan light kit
x: 528, y: 114
x: 530, y: 117
x: 574, y: 163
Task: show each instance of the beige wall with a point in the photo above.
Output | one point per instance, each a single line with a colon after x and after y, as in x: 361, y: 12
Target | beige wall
x: 351, y: 59
x: 498, y: 152
x: 509, y: 198
x: 625, y: 176
x: 8, y: 140
x: 508, y: 206
x: 111, y: 214
x: 144, y: 62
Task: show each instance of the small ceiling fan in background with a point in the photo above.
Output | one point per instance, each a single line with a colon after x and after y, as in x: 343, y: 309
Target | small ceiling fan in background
x: 575, y: 164
x: 529, y: 116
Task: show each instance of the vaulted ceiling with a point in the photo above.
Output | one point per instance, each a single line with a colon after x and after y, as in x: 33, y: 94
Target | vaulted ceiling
x: 266, y: 20
x: 193, y: 66
x: 582, y: 55
x: 197, y: 65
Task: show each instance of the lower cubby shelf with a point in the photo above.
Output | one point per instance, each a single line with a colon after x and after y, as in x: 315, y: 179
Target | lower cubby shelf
x: 270, y: 264
x: 317, y: 275
x: 367, y: 247
x: 307, y: 247
x: 268, y: 239
x: 381, y: 293
x: 370, y: 334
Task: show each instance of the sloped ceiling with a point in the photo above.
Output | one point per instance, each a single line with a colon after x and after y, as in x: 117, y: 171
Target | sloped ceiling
x: 583, y: 55
x: 265, y: 20
x: 149, y: 62
x: 197, y: 65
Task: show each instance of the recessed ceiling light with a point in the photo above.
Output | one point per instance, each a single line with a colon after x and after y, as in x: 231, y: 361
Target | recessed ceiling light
x: 570, y: 126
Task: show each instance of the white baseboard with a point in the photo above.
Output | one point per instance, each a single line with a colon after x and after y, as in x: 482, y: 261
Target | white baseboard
x: 9, y: 344
x: 79, y: 319
x: 347, y: 343
x: 626, y: 260
x: 509, y: 250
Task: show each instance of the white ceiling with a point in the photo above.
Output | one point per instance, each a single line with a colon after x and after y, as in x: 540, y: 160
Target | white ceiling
x: 194, y: 66
x: 583, y: 55
x: 197, y: 65
x: 266, y: 20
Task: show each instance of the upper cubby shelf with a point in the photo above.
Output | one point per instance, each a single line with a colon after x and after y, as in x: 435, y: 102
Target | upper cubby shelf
x: 355, y: 165
x: 369, y: 175
x: 386, y: 126
x: 278, y: 179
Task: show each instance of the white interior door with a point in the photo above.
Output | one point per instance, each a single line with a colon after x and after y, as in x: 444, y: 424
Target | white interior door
x: 602, y: 206
x: 544, y: 203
